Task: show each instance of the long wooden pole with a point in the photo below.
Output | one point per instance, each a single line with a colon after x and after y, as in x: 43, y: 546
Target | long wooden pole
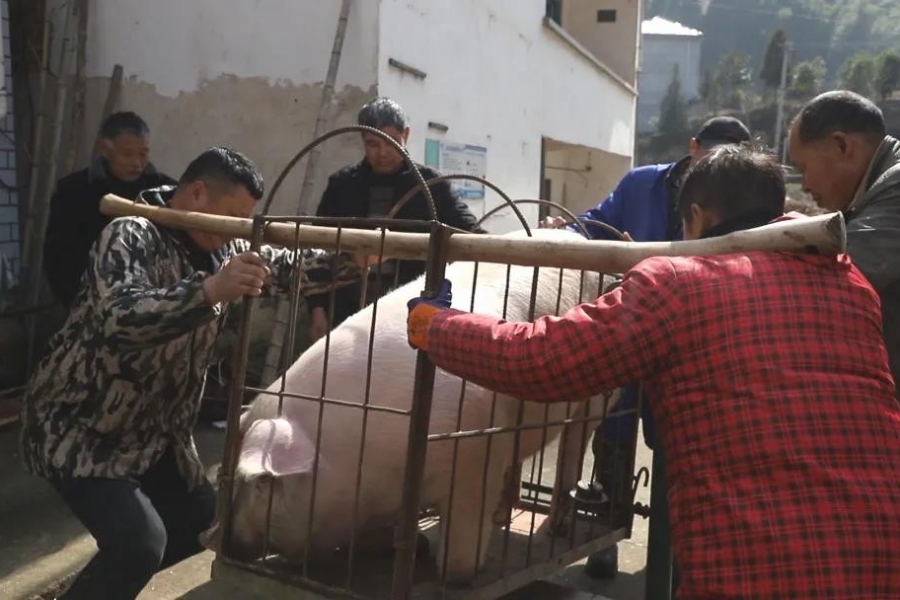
x: 826, y: 234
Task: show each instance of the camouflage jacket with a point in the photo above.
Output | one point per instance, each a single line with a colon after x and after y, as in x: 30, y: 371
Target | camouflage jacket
x: 124, y: 376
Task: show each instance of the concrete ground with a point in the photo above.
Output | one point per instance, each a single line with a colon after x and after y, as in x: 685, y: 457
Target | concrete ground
x: 41, y: 544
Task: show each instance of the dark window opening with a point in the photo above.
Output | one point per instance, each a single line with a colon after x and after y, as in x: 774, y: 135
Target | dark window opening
x: 606, y: 16
x: 554, y: 11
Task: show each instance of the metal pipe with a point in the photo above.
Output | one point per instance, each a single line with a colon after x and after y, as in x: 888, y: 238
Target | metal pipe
x: 312, y: 164
x: 241, y: 355
x: 426, y: 185
x: 411, y: 165
x: 417, y: 441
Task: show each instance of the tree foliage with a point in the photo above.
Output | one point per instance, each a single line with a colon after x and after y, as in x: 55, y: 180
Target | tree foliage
x: 858, y: 74
x: 833, y: 29
x: 887, y: 75
x: 807, y: 78
x: 673, y: 109
x: 733, y: 76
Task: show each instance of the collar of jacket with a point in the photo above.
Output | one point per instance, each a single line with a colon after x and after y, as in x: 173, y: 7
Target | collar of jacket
x: 884, y: 173
x: 675, y: 176
x: 199, y: 259
x: 749, y: 220
x: 365, y: 169
x: 99, y: 170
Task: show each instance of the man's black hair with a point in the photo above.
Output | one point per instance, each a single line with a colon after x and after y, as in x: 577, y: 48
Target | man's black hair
x: 732, y: 181
x: 123, y: 122
x: 382, y: 112
x: 220, y: 165
x: 843, y: 111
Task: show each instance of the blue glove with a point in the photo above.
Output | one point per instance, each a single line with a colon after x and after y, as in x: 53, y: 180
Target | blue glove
x: 442, y: 300
x: 422, y: 311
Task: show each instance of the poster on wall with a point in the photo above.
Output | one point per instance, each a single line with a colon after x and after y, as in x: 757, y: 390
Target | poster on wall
x: 452, y: 158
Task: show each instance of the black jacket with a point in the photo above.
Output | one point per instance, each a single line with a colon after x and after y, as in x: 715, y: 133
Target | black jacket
x: 75, y: 222
x: 356, y: 191
x: 349, y: 194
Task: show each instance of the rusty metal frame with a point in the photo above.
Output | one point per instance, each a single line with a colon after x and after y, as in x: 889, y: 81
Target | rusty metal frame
x: 418, y: 438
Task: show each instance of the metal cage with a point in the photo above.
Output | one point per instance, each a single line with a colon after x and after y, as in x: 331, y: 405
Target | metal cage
x: 538, y: 523
x: 521, y: 550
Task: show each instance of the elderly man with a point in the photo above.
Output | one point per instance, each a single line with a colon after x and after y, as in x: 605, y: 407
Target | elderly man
x: 839, y: 143
x: 371, y: 188
x: 75, y: 222
x: 770, y: 384
x: 109, y: 412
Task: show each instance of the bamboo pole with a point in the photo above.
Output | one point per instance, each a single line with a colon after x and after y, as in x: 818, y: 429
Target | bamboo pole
x: 825, y: 234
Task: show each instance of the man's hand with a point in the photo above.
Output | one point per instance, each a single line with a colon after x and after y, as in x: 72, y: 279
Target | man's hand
x: 244, y: 275
x: 318, y: 323
x: 552, y: 223
x: 422, y: 311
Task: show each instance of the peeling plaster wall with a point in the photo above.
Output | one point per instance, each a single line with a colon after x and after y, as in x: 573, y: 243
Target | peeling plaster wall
x: 246, y: 74
x: 500, y: 78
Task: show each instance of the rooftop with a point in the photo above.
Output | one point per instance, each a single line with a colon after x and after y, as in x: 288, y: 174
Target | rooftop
x: 660, y: 26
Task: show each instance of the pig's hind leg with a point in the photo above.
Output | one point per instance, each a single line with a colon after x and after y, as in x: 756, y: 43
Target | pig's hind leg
x: 463, y: 545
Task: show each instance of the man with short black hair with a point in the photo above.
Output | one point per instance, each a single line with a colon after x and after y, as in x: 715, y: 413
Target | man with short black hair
x: 769, y: 382
x: 371, y: 188
x: 839, y: 143
x: 123, y: 168
x: 108, y: 414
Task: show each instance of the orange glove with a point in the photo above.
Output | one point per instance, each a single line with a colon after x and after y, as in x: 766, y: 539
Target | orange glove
x: 422, y: 311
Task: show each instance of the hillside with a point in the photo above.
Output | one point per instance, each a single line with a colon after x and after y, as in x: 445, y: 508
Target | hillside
x: 832, y: 29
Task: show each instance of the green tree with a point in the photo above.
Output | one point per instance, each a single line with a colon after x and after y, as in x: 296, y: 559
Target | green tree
x: 733, y: 75
x: 673, y: 110
x: 708, y: 91
x: 770, y: 73
x: 858, y: 74
x: 887, y: 75
x: 807, y: 78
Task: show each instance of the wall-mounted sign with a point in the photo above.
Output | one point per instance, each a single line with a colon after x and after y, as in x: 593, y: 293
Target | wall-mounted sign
x: 451, y: 158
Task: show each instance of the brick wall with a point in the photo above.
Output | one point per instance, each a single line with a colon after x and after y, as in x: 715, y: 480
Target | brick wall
x: 9, y: 201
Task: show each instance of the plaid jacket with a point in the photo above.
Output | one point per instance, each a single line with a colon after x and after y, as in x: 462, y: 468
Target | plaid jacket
x: 125, y: 374
x: 775, y: 405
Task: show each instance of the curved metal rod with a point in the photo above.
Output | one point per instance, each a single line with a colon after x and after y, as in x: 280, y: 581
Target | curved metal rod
x: 434, y: 180
x: 609, y: 228
x: 561, y: 208
x: 577, y: 221
x: 340, y: 131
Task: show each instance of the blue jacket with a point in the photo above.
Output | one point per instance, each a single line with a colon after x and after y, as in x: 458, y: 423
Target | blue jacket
x: 642, y: 204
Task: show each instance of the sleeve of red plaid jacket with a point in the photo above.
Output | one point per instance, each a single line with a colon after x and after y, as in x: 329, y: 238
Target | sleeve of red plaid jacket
x: 623, y: 336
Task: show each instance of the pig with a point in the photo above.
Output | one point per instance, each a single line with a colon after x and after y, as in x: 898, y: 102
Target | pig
x: 278, y: 451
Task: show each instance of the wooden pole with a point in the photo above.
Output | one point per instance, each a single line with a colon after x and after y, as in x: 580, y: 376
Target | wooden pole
x: 112, y: 100
x: 826, y: 234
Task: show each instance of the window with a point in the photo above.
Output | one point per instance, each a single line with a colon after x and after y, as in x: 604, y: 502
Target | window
x: 554, y: 11
x: 606, y: 16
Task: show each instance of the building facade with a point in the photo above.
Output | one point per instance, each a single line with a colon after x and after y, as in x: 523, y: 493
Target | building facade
x: 666, y: 46
x: 492, y: 87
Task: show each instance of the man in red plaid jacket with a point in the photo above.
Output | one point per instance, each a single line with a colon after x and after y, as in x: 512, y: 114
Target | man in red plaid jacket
x: 771, y: 386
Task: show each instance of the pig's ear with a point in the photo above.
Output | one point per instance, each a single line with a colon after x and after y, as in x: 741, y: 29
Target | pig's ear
x: 276, y: 447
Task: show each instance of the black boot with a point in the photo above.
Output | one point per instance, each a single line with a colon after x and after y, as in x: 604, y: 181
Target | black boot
x: 603, y: 564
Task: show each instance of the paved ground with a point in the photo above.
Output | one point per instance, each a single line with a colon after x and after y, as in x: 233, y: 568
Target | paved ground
x: 41, y: 543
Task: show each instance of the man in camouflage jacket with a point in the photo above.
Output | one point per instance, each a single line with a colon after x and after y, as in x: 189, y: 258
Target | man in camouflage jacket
x: 109, y: 411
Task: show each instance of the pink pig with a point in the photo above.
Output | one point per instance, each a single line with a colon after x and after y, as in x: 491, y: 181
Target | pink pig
x: 282, y: 449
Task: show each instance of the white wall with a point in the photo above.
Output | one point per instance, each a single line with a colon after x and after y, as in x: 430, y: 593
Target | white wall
x: 245, y: 74
x: 501, y: 79
x: 660, y: 56
x: 179, y: 45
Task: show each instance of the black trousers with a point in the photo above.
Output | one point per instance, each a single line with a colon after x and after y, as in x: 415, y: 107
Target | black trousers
x: 140, y: 527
